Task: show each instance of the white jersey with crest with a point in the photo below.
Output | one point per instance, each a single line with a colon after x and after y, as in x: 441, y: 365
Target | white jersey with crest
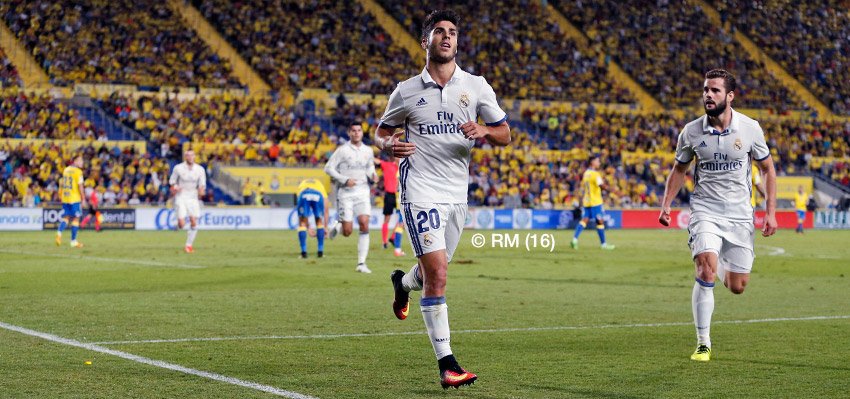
x: 189, y: 180
x: 722, y: 175
x: 438, y: 171
x: 350, y: 161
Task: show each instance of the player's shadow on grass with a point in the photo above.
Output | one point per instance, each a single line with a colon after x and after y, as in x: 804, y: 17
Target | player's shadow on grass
x: 786, y: 364
x: 618, y: 283
x: 569, y: 392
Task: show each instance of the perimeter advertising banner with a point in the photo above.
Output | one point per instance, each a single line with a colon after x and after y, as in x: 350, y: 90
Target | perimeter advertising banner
x: 17, y: 219
x: 112, y: 219
x: 648, y: 219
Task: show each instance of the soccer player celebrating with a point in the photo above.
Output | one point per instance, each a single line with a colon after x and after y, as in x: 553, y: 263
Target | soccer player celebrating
x: 592, y: 184
x: 311, y: 201
x: 352, y: 167
x: 188, y: 183
x: 390, y: 171
x: 439, y: 109
x: 724, y: 143
x: 71, y: 191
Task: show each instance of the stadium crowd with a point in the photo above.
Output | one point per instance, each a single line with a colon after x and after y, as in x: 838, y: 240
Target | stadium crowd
x: 121, y: 177
x: 811, y: 40
x: 100, y: 41
x: 527, y: 56
x: 9, y: 76
x: 680, y: 42
x: 296, y: 45
x: 25, y: 116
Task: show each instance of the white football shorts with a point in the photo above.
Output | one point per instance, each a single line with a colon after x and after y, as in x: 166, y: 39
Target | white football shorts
x: 432, y: 227
x: 731, y: 241
x: 350, y: 206
x: 187, y: 207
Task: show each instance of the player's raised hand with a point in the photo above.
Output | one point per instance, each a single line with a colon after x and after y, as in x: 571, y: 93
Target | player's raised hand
x: 473, y: 131
x: 664, y: 217
x: 398, y: 148
x: 770, y: 225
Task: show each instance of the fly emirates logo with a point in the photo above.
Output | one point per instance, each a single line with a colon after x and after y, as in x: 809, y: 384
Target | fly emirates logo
x: 446, y: 125
x: 721, y: 163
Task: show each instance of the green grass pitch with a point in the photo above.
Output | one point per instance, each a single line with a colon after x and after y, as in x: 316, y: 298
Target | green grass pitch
x: 531, y: 324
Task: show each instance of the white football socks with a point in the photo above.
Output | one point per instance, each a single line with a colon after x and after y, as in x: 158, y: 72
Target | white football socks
x: 411, y: 280
x: 190, y: 236
x: 436, y: 316
x: 702, y: 302
x: 362, y: 247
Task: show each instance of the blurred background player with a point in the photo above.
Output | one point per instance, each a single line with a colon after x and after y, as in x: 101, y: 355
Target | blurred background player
x: 758, y: 185
x: 71, y: 190
x: 188, y: 182
x: 390, y: 170
x: 592, y: 184
x: 801, y: 199
x: 311, y: 201
x: 351, y: 167
x: 94, y: 212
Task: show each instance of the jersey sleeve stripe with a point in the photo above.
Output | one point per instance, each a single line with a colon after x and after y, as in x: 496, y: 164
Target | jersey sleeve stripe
x: 762, y: 159
x: 388, y: 126
x: 499, y: 122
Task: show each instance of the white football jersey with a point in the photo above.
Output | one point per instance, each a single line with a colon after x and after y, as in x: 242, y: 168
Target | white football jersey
x: 438, y: 171
x: 722, y: 175
x: 189, y: 180
x: 351, y: 162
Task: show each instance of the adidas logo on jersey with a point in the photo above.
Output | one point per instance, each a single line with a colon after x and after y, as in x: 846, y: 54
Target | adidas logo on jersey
x: 421, y: 102
x: 703, y: 144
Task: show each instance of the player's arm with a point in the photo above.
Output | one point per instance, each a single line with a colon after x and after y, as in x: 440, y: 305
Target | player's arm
x: 331, y: 168
x: 674, y: 183
x: 389, y: 135
x: 172, y: 181
x: 498, y: 135
x: 202, y: 184
x: 80, y: 187
x: 768, y: 172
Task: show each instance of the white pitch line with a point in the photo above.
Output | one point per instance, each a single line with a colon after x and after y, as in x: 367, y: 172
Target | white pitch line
x: 100, y: 259
x: 494, y: 330
x: 774, y: 251
x: 157, y: 363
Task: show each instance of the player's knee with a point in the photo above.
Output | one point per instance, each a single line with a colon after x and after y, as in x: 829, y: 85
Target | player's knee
x: 346, y: 230
x: 737, y: 287
x: 705, y: 270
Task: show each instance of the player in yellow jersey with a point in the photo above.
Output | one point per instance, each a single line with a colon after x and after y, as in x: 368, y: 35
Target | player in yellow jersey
x: 73, y: 201
x: 758, y: 186
x: 800, y: 200
x: 311, y: 201
x: 592, y: 184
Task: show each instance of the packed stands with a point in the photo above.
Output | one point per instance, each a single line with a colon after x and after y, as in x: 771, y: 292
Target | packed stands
x: 8, y: 73
x: 100, y: 41
x: 41, y: 116
x: 811, y: 40
x: 520, y: 50
x: 31, y: 172
x: 311, y: 45
x: 681, y: 44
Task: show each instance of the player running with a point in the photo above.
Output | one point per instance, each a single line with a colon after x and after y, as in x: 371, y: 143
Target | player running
x: 724, y: 143
x: 439, y: 110
x: 352, y: 169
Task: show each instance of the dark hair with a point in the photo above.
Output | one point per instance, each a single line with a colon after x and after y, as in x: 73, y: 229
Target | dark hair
x: 355, y: 122
x: 728, y: 78
x: 437, y: 16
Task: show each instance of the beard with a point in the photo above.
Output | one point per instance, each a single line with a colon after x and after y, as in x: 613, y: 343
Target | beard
x: 435, y: 57
x: 718, y: 109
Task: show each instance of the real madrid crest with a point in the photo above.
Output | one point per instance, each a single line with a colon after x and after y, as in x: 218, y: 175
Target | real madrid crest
x: 426, y: 239
x: 738, y: 144
x: 464, y: 100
